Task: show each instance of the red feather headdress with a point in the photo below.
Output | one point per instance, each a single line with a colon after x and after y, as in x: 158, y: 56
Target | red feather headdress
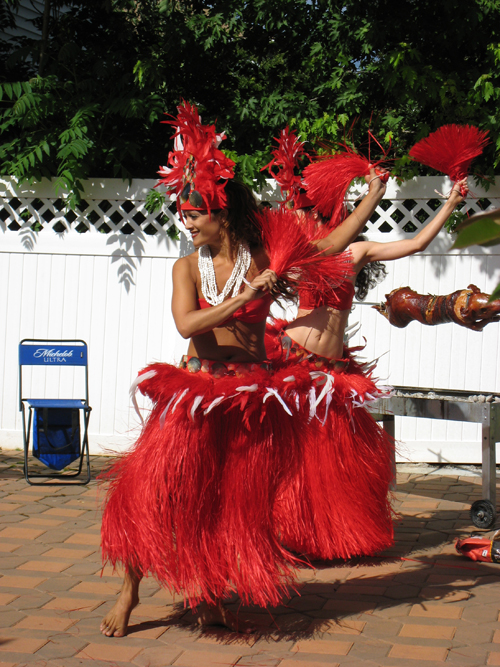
x: 286, y: 159
x: 197, y: 169
x: 451, y: 149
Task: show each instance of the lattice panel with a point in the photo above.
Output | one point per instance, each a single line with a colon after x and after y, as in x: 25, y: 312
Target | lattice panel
x: 106, y: 216
x: 129, y: 216
x: 410, y: 215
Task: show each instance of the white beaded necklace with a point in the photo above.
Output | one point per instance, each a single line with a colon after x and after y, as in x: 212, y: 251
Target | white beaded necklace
x: 207, y: 273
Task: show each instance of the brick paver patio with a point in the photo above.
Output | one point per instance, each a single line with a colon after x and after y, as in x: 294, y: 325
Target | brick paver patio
x: 417, y: 604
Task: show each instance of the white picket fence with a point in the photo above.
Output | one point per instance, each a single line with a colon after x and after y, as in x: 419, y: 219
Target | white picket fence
x: 103, y: 274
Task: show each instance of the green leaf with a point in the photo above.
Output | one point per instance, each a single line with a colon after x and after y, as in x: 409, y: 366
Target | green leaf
x: 478, y: 233
x: 495, y: 294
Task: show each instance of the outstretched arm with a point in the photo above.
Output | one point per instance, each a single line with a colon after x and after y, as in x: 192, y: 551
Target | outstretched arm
x: 340, y: 237
x: 367, y: 251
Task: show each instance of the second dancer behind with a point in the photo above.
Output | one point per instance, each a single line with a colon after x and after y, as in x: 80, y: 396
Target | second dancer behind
x: 338, y: 504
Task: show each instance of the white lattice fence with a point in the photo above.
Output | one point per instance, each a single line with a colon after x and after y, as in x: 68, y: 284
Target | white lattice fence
x: 111, y: 207
x: 103, y: 273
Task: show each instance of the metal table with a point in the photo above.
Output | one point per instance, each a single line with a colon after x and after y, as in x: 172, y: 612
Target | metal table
x: 467, y: 406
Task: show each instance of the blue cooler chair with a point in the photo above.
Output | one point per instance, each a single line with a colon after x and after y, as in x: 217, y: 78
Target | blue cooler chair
x: 53, y: 424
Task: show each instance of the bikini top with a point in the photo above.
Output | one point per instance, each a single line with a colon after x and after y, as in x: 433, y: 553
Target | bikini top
x: 251, y: 313
x: 340, y: 299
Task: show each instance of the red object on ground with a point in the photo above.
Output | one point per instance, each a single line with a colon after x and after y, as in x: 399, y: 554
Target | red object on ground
x: 479, y: 548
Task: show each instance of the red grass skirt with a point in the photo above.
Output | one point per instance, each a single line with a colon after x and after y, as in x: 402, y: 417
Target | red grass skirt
x: 193, y: 502
x: 237, y: 465
x: 338, y: 504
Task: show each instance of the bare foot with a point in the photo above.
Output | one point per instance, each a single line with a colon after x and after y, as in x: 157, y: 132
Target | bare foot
x: 217, y: 614
x: 115, y: 623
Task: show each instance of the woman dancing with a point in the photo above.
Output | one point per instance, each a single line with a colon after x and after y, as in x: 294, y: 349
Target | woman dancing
x: 338, y: 504
x: 193, y: 502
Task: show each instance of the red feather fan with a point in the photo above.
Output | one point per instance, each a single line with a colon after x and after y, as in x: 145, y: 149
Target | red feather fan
x: 295, y: 258
x: 196, y: 163
x: 328, y: 179
x: 451, y: 149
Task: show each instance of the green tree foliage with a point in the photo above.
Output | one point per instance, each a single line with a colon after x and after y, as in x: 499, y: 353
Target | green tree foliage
x: 330, y: 68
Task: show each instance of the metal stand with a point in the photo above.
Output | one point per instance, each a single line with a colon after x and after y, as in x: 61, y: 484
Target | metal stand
x: 455, y: 406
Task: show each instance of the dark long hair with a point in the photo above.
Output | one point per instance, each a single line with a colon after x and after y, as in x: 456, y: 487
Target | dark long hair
x: 242, y: 215
x: 369, y: 276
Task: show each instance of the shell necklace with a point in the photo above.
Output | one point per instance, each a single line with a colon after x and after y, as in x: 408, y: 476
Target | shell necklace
x: 207, y: 273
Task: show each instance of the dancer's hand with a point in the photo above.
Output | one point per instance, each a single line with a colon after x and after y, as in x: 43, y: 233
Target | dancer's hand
x: 377, y: 179
x: 459, y: 192
x: 260, y: 285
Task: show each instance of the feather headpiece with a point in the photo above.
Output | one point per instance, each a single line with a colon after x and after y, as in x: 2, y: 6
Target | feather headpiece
x: 197, y: 170
x: 286, y: 159
x: 451, y: 149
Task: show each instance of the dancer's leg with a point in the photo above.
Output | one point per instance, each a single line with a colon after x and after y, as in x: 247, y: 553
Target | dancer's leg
x: 115, y: 623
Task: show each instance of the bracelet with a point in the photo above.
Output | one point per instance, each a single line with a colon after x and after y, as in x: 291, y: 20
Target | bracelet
x: 255, y: 289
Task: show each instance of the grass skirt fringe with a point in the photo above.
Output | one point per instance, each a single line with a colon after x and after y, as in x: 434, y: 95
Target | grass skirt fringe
x: 338, y: 504
x: 193, y: 502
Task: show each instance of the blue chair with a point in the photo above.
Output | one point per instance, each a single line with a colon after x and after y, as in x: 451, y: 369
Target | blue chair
x: 53, y: 424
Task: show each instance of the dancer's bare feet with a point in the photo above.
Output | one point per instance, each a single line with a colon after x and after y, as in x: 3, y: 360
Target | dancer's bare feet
x: 217, y: 614
x: 115, y: 623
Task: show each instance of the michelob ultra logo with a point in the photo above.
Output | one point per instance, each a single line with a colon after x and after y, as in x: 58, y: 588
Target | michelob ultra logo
x: 52, y: 355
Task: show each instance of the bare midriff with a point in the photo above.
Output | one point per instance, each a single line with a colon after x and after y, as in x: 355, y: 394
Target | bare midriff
x: 236, y: 341
x: 321, y: 331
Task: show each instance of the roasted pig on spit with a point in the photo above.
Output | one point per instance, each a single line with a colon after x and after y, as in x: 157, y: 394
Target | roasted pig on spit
x: 467, y: 307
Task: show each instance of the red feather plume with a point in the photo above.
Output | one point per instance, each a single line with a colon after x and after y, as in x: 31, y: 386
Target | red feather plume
x: 286, y: 159
x: 295, y: 259
x: 327, y: 180
x: 451, y: 149
x: 196, y: 159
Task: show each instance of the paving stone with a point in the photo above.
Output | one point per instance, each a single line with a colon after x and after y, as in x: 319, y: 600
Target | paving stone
x: 97, y: 588
x: 468, y: 656
x: 73, y: 604
x: 10, y: 617
x: 51, y: 623
x: 31, y: 600
x: 306, y: 661
x: 21, y: 644
x: 16, y: 533
x: 63, y: 511
x: 428, y: 631
x: 32, y: 549
x: 413, y: 652
x: 58, y: 584
x: 258, y: 660
x: 68, y: 554
x: 156, y: 656
x: 207, y: 658
x: 65, y: 647
x: 12, y: 562
x: 436, y: 611
x: 13, y: 581
x: 43, y: 566
x: 7, y: 598
x: 324, y: 646
x: 8, y: 547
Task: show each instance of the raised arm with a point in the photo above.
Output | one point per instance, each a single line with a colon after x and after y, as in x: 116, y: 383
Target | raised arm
x: 189, y: 319
x: 366, y: 251
x: 339, y: 238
